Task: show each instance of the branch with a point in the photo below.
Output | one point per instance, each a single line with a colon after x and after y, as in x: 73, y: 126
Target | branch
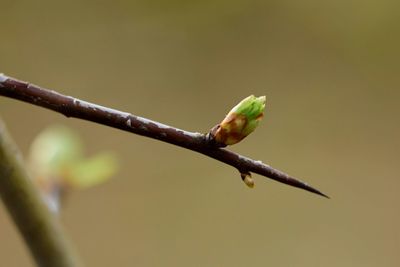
x: 39, y: 228
x: 73, y: 107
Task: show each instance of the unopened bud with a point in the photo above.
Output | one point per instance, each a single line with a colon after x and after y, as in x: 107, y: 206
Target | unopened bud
x: 246, y: 177
x: 242, y: 120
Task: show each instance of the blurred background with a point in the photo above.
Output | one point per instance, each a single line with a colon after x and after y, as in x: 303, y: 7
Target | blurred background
x: 330, y: 71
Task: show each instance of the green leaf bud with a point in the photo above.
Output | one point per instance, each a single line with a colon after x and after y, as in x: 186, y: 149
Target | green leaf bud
x: 242, y: 120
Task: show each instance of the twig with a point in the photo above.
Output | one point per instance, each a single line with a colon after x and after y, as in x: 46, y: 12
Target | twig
x: 42, y: 233
x: 73, y: 107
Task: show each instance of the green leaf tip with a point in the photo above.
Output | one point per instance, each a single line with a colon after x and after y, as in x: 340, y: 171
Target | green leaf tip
x: 241, y: 121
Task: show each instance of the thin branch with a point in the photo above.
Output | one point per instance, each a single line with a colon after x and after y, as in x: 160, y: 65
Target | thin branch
x: 41, y: 231
x: 73, y: 107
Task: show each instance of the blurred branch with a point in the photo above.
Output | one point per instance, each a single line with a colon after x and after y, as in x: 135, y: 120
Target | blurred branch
x: 73, y: 107
x: 39, y: 228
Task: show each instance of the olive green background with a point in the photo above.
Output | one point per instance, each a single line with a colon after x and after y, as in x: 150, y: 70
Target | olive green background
x: 330, y: 71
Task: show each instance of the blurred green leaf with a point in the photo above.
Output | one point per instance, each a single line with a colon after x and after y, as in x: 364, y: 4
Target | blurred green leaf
x: 57, y: 164
x: 53, y: 151
x: 93, y: 171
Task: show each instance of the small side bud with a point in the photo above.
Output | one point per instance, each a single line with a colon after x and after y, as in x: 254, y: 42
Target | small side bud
x: 242, y: 120
x: 246, y: 177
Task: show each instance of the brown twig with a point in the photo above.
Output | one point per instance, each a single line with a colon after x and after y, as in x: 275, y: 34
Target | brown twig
x: 39, y: 228
x: 73, y: 107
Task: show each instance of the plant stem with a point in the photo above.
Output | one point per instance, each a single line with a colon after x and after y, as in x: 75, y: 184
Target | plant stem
x: 73, y: 107
x: 41, y: 231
